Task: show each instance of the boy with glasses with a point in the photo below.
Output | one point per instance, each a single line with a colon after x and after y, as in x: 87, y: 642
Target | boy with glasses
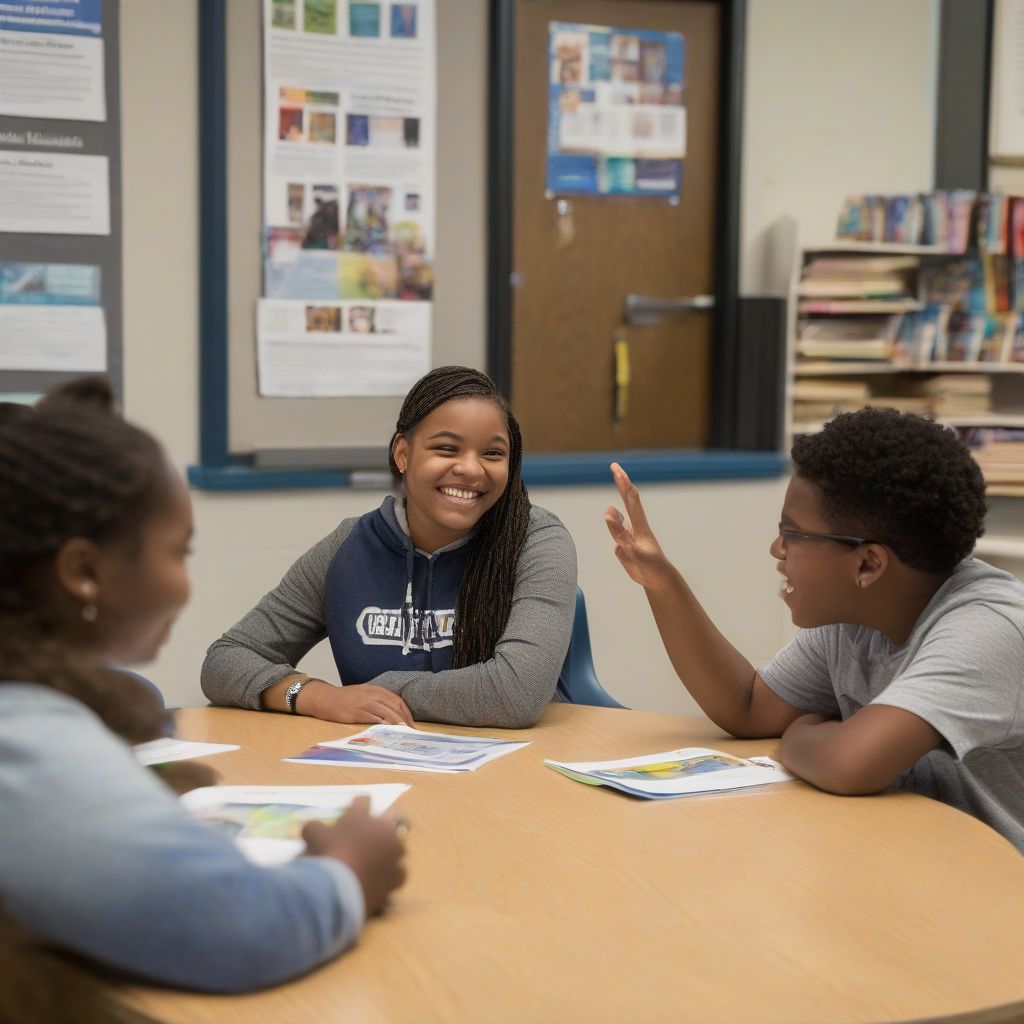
x: 908, y: 671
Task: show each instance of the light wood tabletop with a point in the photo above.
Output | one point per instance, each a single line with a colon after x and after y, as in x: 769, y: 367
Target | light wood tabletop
x: 533, y: 898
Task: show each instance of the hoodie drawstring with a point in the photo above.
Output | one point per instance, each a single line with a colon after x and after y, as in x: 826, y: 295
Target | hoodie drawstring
x: 428, y: 623
x: 407, y: 613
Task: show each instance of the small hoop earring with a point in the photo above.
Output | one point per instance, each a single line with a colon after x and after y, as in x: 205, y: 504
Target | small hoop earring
x: 90, y: 613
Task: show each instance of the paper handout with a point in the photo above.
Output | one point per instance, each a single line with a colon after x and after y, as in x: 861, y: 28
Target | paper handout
x: 266, y: 821
x: 682, y: 772
x: 168, y: 749
x: 399, y: 748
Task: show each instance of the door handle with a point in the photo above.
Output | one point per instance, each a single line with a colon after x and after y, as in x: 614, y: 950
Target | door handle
x: 644, y: 310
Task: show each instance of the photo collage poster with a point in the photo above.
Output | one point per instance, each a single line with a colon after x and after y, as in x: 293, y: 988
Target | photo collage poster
x: 616, y: 117
x: 349, y: 197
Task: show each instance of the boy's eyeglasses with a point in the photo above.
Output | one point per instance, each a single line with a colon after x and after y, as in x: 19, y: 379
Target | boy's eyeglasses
x: 788, y: 535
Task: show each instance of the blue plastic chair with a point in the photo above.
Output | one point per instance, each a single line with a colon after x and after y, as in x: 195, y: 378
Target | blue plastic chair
x: 143, y: 681
x: 577, y: 682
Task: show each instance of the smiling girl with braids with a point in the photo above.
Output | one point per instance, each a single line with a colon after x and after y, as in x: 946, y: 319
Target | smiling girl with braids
x: 453, y: 603
x: 98, y: 856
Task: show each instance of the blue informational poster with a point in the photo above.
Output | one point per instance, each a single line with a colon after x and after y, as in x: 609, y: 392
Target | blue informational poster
x: 71, y: 17
x: 616, y: 118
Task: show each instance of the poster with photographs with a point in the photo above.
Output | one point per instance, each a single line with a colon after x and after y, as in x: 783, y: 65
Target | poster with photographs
x: 616, y: 118
x: 349, y: 192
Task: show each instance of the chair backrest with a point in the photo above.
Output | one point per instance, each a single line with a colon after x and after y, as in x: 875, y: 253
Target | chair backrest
x: 143, y: 681
x: 578, y: 682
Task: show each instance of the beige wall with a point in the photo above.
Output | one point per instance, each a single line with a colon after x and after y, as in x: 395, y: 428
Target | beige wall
x: 815, y: 130
x: 839, y: 98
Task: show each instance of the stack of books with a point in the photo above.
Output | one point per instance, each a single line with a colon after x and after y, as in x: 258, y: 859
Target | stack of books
x: 857, y: 338
x: 1000, y: 453
x: 820, y: 399
x: 943, y: 396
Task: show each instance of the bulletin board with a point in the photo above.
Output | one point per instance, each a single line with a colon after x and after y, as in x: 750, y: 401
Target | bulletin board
x: 60, y: 195
x: 242, y: 431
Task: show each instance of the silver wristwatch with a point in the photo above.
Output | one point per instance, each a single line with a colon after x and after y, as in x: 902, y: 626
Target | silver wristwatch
x: 291, y: 695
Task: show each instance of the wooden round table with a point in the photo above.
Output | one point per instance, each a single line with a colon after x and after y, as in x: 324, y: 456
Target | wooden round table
x: 533, y: 898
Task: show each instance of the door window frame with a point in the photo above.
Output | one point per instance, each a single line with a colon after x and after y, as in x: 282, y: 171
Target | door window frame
x: 501, y: 127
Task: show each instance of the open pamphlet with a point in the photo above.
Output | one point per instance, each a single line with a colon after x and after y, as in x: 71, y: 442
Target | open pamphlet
x: 682, y: 772
x: 399, y: 748
x: 168, y: 749
x: 266, y: 821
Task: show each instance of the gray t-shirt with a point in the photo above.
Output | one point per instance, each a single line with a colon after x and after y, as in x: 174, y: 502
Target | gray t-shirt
x: 961, y: 670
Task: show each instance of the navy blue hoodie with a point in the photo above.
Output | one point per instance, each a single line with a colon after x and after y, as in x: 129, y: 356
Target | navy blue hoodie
x: 388, y: 605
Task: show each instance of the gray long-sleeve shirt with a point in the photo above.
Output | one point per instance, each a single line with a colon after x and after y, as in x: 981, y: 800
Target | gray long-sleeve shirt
x: 98, y: 856
x: 509, y: 690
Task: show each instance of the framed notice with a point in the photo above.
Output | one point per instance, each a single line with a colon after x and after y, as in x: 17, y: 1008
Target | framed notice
x: 616, y: 118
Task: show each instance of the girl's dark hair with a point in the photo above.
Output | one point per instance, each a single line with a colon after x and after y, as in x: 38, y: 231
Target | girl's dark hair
x: 39, y: 985
x: 70, y: 468
x: 485, y: 596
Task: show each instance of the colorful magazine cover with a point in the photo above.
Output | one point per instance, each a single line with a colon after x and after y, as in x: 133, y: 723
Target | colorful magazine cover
x: 684, y: 772
x: 266, y: 821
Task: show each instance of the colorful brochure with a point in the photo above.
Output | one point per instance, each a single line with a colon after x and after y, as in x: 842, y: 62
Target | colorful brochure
x: 399, y: 748
x: 682, y: 772
x: 266, y: 821
x: 164, y: 751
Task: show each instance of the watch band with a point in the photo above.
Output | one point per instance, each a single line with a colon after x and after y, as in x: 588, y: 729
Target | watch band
x: 291, y: 695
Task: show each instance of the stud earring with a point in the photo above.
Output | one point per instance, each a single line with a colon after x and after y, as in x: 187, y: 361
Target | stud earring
x: 860, y: 583
x: 89, y: 610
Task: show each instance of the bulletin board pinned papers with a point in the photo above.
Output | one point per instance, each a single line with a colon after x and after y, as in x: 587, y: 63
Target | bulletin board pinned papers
x: 349, y: 196
x: 616, y: 118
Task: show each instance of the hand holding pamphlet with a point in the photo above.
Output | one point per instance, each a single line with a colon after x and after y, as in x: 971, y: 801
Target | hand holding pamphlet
x: 399, y: 748
x: 266, y: 821
x: 682, y: 772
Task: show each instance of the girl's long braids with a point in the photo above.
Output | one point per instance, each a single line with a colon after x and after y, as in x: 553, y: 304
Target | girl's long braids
x: 70, y: 468
x: 485, y: 596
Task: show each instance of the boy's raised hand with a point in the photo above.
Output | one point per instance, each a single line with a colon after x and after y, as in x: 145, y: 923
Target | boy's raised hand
x: 636, y: 547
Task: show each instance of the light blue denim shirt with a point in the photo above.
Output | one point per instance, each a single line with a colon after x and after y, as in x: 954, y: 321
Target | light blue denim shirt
x: 98, y: 856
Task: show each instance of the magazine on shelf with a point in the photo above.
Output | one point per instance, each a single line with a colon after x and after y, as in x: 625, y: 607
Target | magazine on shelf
x: 266, y: 821
x: 673, y: 773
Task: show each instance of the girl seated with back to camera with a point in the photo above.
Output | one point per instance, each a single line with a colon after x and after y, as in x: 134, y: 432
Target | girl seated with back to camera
x: 98, y: 855
x: 451, y: 603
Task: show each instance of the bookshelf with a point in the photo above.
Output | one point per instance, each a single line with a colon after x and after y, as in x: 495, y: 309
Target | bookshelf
x: 824, y: 374
x: 825, y: 333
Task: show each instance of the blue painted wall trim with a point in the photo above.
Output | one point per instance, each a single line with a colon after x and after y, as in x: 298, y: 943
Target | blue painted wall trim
x: 538, y: 470
x: 655, y: 465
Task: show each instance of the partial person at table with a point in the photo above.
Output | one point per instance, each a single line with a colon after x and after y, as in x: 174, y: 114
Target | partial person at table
x: 452, y: 602
x: 908, y: 671
x: 98, y: 855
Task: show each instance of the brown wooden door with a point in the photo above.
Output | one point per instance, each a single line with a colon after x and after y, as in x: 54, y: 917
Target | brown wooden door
x: 572, y: 275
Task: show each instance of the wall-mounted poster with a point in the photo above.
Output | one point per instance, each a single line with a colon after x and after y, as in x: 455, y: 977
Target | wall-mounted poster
x: 616, y: 119
x: 348, y: 262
